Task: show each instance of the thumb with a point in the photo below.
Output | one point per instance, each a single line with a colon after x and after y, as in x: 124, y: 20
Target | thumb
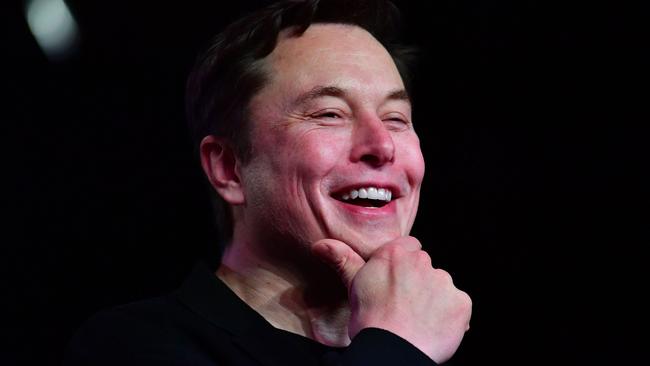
x: 338, y: 255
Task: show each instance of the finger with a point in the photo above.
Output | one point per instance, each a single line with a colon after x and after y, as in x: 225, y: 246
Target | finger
x: 407, y: 243
x: 338, y: 255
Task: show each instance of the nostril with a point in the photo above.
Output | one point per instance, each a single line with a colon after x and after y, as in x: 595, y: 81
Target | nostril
x: 377, y: 158
x: 373, y: 160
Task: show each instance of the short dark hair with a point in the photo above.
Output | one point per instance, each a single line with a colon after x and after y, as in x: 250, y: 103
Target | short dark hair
x: 231, y: 71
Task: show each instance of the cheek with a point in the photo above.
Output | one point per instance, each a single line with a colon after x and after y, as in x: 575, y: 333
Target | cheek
x: 317, y: 151
x: 418, y: 166
x: 412, y: 158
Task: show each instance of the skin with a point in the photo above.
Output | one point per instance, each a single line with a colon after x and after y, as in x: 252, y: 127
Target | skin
x: 333, y: 116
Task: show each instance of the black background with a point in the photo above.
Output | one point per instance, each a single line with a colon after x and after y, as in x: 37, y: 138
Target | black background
x: 540, y: 217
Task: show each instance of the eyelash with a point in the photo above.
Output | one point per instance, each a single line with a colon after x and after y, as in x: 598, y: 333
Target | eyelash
x: 327, y: 114
x: 337, y: 115
x: 398, y: 119
x: 402, y: 121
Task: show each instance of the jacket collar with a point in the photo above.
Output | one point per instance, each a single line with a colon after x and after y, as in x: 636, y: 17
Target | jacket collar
x: 206, y: 295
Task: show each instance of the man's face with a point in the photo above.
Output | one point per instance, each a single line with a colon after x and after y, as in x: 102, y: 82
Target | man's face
x: 333, y: 123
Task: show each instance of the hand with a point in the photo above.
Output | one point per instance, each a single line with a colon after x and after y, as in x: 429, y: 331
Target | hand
x: 398, y: 290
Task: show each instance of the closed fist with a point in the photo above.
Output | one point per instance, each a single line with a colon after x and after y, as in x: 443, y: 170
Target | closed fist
x: 398, y: 290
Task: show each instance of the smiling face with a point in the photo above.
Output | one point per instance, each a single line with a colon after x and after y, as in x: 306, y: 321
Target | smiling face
x: 331, y: 126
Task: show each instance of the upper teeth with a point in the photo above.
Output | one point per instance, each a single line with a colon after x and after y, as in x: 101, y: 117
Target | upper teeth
x: 372, y: 193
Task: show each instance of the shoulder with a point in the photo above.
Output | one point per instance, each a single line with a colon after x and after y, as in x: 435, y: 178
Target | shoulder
x: 134, y: 319
x: 157, y: 331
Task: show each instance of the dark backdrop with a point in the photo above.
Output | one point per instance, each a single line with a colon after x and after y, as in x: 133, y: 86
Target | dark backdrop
x: 539, y: 217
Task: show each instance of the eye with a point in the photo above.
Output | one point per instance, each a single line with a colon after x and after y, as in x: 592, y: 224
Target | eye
x: 397, y: 121
x: 329, y: 117
x: 327, y: 114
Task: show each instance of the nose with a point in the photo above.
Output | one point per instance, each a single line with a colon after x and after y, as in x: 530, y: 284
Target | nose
x: 372, y: 142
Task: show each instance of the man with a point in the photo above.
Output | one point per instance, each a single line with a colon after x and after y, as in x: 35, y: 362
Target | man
x: 306, y: 134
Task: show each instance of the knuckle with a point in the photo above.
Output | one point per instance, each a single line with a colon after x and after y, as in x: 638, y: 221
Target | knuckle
x: 408, y: 243
x: 443, y: 275
x: 412, y: 240
x: 411, y: 244
x: 465, y: 301
x: 424, y: 257
x: 466, y: 298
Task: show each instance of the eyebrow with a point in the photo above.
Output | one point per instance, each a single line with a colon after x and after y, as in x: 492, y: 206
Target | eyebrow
x: 318, y: 92
x: 334, y: 91
x: 400, y: 94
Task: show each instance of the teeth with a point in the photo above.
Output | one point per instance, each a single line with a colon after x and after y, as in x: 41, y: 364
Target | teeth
x: 363, y: 193
x: 372, y: 193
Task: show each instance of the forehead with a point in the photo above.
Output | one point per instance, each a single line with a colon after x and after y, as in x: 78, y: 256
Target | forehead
x: 332, y: 54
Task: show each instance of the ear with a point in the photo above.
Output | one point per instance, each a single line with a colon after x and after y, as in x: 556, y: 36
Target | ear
x: 221, y: 166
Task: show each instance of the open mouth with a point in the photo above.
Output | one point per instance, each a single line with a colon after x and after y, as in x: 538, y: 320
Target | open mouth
x: 370, y: 197
x: 367, y: 203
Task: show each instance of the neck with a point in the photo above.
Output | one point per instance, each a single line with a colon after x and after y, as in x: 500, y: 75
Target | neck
x: 296, y: 293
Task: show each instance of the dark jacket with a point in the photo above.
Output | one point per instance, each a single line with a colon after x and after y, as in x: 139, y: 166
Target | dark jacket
x: 205, y: 323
